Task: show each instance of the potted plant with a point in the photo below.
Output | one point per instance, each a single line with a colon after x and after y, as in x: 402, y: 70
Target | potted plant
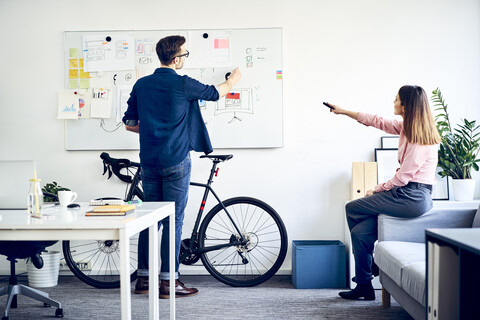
x: 459, y: 149
x: 50, y: 191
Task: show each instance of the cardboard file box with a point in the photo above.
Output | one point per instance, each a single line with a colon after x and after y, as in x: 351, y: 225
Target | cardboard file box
x: 318, y: 264
x: 364, y: 178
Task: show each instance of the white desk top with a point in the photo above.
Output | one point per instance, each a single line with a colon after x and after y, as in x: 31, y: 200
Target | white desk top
x: 65, y: 218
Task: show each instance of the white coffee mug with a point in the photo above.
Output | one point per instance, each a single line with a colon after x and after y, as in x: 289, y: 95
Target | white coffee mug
x: 66, y: 197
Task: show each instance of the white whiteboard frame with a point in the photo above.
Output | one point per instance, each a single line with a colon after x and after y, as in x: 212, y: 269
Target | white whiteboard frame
x: 86, y: 134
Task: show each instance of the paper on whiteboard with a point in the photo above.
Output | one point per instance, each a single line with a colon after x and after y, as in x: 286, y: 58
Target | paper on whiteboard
x: 101, y: 106
x: 208, y: 49
x: 67, y: 105
x: 108, y: 52
x: 123, y: 94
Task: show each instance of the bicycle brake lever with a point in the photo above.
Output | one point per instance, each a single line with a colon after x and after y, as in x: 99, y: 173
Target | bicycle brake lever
x: 104, y: 168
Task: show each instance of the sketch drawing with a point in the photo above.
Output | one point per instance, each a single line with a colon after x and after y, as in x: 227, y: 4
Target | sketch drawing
x: 95, y: 51
x: 239, y: 100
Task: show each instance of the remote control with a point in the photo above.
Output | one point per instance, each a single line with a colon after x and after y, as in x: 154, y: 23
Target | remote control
x: 327, y: 105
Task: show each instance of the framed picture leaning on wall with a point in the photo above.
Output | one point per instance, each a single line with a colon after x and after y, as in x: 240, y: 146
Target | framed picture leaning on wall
x: 387, y: 163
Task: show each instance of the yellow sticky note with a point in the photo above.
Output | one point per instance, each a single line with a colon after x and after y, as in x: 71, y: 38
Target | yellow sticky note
x: 84, y: 74
x: 73, y: 83
x: 73, y: 73
x: 84, y: 83
x: 80, y: 65
x: 73, y: 52
x: 73, y: 64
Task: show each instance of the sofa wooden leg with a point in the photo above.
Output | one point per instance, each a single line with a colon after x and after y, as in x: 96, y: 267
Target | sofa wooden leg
x: 385, y: 298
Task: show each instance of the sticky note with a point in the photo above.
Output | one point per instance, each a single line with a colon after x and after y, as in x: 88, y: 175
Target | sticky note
x: 80, y: 64
x: 84, y: 75
x: 73, y: 73
x: 221, y: 44
x: 73, y: 63
x: 84, y: 83
x: 73, y: 52
x: 73, y: 83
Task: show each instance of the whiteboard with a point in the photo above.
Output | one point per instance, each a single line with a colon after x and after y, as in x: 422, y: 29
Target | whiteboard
x: 250, y: 116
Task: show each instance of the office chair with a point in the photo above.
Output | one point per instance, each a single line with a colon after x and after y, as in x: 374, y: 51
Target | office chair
x: 21, y: 250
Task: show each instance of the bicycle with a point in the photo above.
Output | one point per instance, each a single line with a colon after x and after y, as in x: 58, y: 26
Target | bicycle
x: 96, y: 262
x: 241, y: 241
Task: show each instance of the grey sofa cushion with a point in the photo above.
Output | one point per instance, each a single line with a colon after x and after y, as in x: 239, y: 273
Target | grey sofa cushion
x: 413, y: 281
x: 393, y: 256
x: 476, y: 220
x: 413, y: 230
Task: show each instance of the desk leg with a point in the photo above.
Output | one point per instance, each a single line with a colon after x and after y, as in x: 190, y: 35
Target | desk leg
x: 153, y: 271
x: 125, y: 295
x: 172, y: 265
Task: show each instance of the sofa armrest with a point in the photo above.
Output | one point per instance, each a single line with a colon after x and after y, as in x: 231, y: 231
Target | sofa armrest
x: 413, y: 230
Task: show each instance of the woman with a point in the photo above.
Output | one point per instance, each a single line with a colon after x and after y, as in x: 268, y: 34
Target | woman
x: 408, y: 194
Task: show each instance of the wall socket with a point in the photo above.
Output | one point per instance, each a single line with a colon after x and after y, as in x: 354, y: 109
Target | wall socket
x: 82, y: 265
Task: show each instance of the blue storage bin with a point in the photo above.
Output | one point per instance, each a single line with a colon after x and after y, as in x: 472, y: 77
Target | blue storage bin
x: 318, y: 264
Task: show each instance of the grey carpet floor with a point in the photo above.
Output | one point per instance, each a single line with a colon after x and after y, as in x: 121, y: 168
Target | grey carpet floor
x: 275, y: 299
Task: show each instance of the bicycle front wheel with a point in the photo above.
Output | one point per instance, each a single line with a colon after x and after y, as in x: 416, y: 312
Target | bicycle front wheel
x: 97, y: 262
x: 260, y: 255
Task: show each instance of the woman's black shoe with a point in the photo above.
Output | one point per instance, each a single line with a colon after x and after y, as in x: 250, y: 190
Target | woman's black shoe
x: 364, y: 291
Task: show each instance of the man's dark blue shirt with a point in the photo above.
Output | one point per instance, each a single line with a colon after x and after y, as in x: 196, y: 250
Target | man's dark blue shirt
x: 166, y: 105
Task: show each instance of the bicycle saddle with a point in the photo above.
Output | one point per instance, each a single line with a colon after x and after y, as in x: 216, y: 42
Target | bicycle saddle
x: 224, y: 157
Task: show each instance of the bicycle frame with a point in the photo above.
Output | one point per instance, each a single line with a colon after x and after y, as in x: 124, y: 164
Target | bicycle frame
x: 194, y: 236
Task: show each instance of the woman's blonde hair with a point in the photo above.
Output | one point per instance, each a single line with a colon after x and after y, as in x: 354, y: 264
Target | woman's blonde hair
x: 418, y: 122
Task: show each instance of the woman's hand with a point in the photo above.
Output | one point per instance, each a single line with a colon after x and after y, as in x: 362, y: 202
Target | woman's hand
x: 369, y: 193
x: 336, y: 109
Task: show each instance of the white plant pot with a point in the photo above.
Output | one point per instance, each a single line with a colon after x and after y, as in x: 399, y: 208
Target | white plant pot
x: 48, y: 275
x: 463, y: 189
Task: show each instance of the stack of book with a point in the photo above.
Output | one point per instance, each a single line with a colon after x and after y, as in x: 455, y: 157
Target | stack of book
x: 111, y: 210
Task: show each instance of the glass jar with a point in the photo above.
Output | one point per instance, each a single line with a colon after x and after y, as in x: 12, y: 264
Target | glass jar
x: 35, y: 198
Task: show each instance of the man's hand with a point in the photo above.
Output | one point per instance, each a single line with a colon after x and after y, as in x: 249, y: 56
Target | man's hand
x: 225, y: 87
x: 133, y: 129
x: 369, y: 193
x: 234, y: 76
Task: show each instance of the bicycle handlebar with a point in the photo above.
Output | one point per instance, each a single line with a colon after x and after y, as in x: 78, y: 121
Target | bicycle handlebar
x: 113, y: 164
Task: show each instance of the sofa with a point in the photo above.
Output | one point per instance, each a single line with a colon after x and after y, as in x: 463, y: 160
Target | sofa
x: 401, y: 254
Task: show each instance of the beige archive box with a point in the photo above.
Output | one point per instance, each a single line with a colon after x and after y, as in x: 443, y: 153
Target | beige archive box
x: 364, y: 177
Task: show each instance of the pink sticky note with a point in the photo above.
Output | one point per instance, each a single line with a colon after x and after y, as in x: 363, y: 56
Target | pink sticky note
x: 221, y: 44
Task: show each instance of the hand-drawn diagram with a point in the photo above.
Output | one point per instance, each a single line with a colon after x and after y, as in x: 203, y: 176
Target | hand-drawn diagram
x: 95, y: 51
x: 240, y: 100
x: 108, y: 52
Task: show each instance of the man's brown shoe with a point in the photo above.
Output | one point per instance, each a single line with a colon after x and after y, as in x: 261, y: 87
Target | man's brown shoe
x: 141, y: 287
x: 180, y: 290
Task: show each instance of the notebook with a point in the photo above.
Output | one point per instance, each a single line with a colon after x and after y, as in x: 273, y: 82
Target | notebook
x: 111, y: 210
x: 15, y: 178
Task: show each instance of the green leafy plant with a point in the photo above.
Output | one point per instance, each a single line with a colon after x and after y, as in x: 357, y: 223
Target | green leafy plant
x: 460, y: 146
x: 50, y: 191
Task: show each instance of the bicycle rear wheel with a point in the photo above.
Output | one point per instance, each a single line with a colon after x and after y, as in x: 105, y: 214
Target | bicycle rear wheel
x: 253, y: 262
x: 97, y: 262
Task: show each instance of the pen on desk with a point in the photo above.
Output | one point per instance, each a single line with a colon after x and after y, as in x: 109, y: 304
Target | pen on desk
x: 135, y: 201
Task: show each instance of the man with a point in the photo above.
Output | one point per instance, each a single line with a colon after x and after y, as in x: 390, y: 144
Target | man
x: 163, y: 109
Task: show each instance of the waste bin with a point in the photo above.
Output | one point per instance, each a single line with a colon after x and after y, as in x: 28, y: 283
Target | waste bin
x: 318, y: 264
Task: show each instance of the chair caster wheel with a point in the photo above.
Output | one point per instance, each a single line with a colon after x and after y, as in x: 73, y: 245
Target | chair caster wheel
x: 5, y: 318
x: 59, y: 313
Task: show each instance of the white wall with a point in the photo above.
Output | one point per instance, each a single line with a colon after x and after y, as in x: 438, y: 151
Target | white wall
x: 353, y: 53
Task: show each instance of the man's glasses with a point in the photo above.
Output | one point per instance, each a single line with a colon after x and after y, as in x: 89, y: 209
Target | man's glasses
x: 183, y: 55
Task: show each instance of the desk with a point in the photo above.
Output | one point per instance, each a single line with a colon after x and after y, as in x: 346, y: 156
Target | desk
x: 453, y: 260
x: 71, y: 224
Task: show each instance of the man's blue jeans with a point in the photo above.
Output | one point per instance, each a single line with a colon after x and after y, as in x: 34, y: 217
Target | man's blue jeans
x: 170, y: 184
